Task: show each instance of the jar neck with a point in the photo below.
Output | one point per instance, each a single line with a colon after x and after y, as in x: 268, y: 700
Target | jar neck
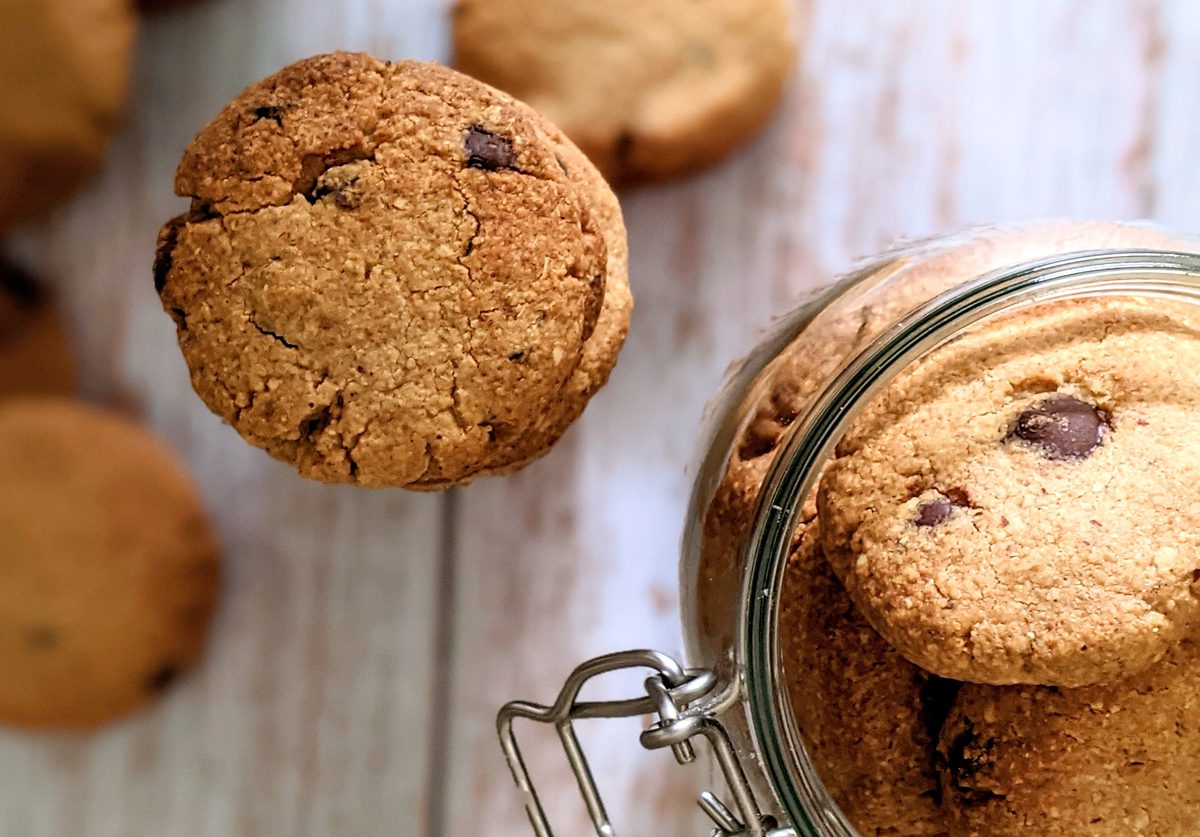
x: 810, y: 442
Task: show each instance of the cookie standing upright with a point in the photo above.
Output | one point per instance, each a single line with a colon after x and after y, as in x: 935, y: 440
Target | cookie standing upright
x: 35, y: 353
x: 647, y: 88
x: 64, y: 71
x: 110, y: 568
x: 392, y: 274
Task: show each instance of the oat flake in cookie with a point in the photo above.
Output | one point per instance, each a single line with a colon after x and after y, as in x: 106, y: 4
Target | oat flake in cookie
x: 1023, y: 505
x: 392, y: 274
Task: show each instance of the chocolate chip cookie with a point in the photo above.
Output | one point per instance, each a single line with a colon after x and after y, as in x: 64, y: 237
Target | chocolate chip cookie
x: 64, y: 70
x: 1020, y: 506
x: 393, y: 275
x: 868, y: 717
x: 35, y: 357
x: 647, y: 88
x: 820, y: 339
x: 109, y: 568
x: 1114, y: 759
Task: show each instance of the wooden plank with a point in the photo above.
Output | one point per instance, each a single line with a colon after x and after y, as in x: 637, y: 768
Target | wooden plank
x: 311, y: 714
x: 905, y: 120
x: 1169, y: 148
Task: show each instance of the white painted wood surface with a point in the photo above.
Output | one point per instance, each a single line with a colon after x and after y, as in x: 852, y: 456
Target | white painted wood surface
x: 366, y: 639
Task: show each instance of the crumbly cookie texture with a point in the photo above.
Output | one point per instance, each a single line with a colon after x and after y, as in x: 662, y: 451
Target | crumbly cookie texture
x: 392, y: 274
x: 64, y: 72
x: 110, y: 568
x: 647, y: 88
x: 1114, y: 759
x: 868, y: 717
x: 886, y: 288
x: 1018, y: 508
x: 35, y: 355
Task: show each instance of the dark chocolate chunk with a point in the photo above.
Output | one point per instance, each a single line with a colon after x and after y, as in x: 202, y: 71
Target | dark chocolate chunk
x: 623, y: 148
x: 41, y: 637
x: 1062, y: 427
x: 19, y: 285
x: 488, y: 151
x: 272, y: 112
x: 498, y: 430
x: 934, y: 511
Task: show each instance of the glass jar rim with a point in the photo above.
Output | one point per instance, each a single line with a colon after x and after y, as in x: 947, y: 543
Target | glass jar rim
x: 810, y: 440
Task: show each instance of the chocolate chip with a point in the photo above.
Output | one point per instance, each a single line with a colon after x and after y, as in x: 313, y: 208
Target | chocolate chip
x: 41, y: 637
x: 19, y: 285
x: 934, y: 511
x: 487, y: 150
x: 162, y: 677
x: 201, y: 211
x: 1062, y: 427
x: 498, y: 431
x: 272, y: 112
x: 966, y: 757
x: 623, y: 148
x: 164, y: 256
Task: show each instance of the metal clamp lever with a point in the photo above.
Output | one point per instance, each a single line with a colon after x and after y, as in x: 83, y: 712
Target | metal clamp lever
x: 687, y: 703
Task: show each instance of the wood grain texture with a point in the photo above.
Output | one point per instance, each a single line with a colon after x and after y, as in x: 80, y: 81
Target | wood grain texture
x: 367, y: 639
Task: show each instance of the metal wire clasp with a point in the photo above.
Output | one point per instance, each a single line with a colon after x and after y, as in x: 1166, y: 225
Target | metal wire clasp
x: 687, y: 702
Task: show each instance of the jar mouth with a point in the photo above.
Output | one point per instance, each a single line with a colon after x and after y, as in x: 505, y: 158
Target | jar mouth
x: 811, y: 439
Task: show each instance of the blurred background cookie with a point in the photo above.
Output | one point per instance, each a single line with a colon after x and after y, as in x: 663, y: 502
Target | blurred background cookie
x: 393, y: 274
x: 109, y: 567
x: 35, y: 355
x: 64, y: 70
x: 648, y: 89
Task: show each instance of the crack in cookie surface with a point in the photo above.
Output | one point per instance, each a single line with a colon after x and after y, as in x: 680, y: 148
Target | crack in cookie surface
x: 395, y: 257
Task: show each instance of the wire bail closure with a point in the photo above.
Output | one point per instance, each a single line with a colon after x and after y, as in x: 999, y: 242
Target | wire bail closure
x: 687, y: 703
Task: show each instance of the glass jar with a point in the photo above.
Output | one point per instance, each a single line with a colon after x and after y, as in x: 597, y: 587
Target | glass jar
x: 770, y: 432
